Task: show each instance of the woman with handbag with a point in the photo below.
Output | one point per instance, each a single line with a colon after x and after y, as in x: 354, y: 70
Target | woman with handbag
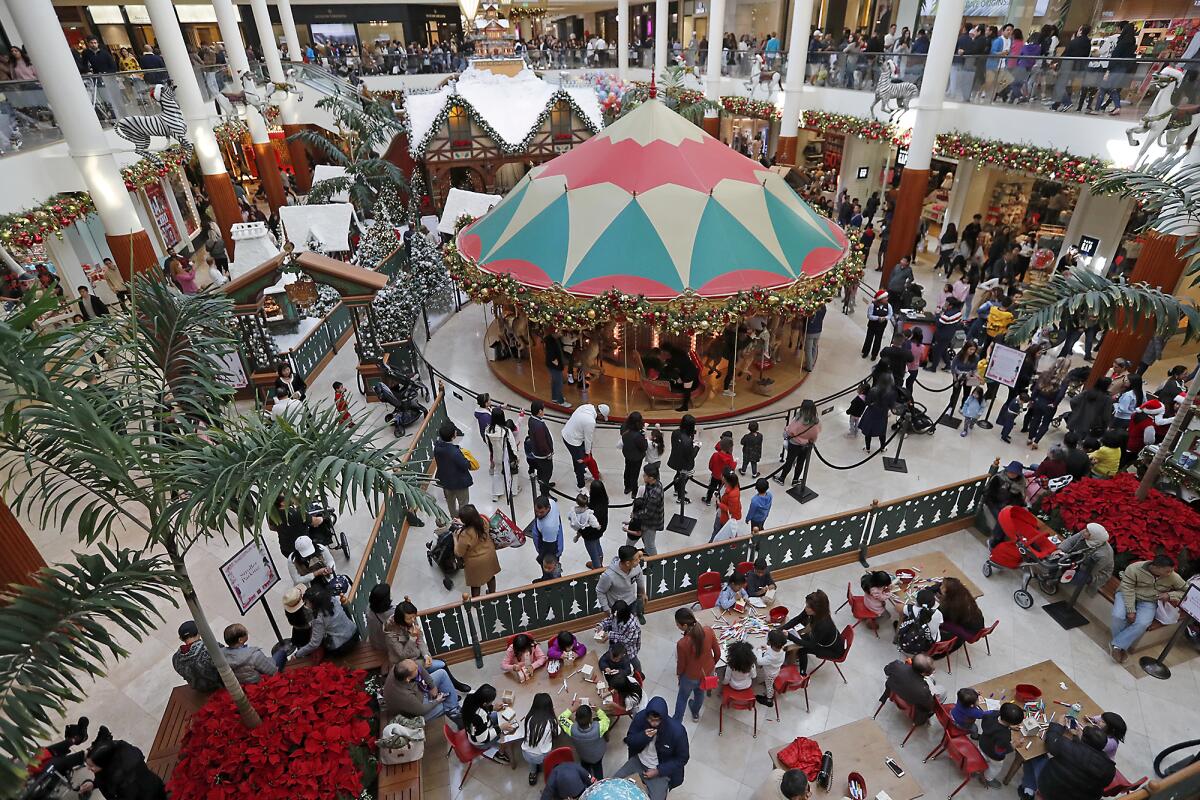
x: 820, y: 635
x: 331, y: 627
x: 502, y: 441
x: 473, y: 544
x: 800, y: 434
x: 696, y: 655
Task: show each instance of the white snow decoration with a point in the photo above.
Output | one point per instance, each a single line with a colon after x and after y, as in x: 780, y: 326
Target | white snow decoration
x: 937, y: 517
x: 323, y: 172
x: 769, y: 562
x: 920, y: 520
x: 828, y: 546
x: 903, y: 526
x: 550, y: 615
x: 499, y: 628
x: 510, y: 104
x: 524, y: 620
x: 807, y: 553
x: 787, y: 556
x: 662, y: 586
x: 254, y: 245
x: 447, y: 642
x: 328, y: 223
x: 686, y: 582
x: 849, y: 541
x: 459, y: 202
x: 883, y: 534
x: 575, y: 609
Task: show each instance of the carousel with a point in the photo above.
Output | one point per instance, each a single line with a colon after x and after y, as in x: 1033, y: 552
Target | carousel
x: 677, y: 274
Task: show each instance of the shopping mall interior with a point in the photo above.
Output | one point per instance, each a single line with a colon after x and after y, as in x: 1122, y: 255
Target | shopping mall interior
x: 491, y: 399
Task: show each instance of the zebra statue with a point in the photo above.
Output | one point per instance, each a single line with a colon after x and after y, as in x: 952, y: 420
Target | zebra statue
x: 888, y: 89
x: 168, y: 124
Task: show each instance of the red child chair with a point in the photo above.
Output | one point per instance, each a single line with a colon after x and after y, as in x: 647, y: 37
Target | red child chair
x: 789, y: 679
x: 944, y: 648
x: 744, y: 567
x: 950, y: 730
x: 858, y: 607
x: 708, y: 588
x: 461, y: 746
x: 559, y: 755
x: 908, y: 711
x: 983, y: 634
x: 848, y: 635
x: 739, y: 700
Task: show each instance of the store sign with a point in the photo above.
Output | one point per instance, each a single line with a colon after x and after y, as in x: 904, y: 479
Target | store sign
x: 902, y: 156
x: 1088, y: 245
x: 863, y: 172
x: 250, y: 574
x: 160, y: 211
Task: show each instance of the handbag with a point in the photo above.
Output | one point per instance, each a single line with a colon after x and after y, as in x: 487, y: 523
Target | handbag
x: 708, y: 683
x: 402, y: 740
x: 503, y: 531
x: 472, y: 461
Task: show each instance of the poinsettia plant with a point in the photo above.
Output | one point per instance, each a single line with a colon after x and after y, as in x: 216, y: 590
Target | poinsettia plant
x: 315, y: 741
x: 1142, y: 528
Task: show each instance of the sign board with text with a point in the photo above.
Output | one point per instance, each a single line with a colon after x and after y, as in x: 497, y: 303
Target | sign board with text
x: 1004, y: 365
x: 250, y: 574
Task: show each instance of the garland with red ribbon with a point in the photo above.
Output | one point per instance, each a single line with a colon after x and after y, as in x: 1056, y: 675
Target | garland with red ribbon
x: 28, y: 228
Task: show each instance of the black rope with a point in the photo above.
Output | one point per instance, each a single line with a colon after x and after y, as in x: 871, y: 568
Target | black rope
x: 882, y: 447
x: 929, y: 389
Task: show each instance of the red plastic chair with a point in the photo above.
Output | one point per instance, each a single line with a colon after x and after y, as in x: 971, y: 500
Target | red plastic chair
x: 778, y: 615
x: 944, y: 648
x: 908, y: 711
x: 967, y: 758
x: 744, y: 567
x: 708, y: 588
x: 1120, y: 785
x: 950, y: 730
x: 858, y: 607
x: 461, y: 746
x: 738, y: 700
x: 848, y: 635
x: 789, y: 679
x: 559, y: 755
x: 983, y: 634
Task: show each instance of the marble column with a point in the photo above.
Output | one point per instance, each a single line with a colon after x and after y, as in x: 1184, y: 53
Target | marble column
x: 797, y: 55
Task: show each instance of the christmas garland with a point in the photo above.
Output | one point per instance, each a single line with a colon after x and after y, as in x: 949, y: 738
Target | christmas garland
x: 27, y: 228
x: 231, y: 132
x: 684, y: 96
x: 862, y: 127
x: 1056, y: 165
x: 687, y: 314
x: 756, y: 109
x: 417, y: 149
x: 145, y: 172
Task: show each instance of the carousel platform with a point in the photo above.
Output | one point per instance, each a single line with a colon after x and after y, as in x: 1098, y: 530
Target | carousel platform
x: 621, y: 387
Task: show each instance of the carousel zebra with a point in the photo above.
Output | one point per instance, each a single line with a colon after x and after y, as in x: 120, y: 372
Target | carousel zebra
x: 888, y: 89
x: 168, y: 124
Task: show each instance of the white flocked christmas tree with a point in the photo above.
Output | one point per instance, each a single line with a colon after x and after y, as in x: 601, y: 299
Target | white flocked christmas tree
x: 808, y: 551
x: 828, y: 546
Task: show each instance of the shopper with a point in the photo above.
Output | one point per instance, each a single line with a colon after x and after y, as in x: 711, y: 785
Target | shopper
x: 696, y: 656
x: 473, y: 544
x: 577, y: 435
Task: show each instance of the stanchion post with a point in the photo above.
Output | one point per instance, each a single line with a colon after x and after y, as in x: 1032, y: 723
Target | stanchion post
x: 896, y: 463
x: 1156, y: 667
x: 802, y: 494
x: 681, y: 523
x: 985, y: 423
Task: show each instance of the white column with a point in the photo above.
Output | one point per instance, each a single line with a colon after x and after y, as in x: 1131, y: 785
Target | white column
x: 716, y: 32
x: 235, y: 57
x: 270, y: 48
x: 933, y: 83
x: 623, y: 39
x: 295, y: 52
x: 10, y: 27
x: 662, y: 42
x: 797, y: 56
x: 86, y: 141
x: 187, y: 90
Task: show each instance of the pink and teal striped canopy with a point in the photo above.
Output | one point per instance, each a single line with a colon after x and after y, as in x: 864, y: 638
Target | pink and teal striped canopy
x: 652, y: 205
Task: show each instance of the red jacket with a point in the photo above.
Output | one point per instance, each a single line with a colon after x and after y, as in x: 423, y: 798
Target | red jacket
x: 720, y: 461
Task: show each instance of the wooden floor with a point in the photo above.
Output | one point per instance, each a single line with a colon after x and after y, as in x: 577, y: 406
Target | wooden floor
x: 624, y: 396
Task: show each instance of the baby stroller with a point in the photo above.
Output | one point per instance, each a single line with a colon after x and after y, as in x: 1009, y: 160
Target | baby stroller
x: 440, y: 553
x: 914, y: 419
x: 326, y: 533
x: 1025, y: 547
x: 402, y: 397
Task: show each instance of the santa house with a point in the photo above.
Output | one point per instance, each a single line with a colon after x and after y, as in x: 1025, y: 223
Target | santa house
x: 483, y: 132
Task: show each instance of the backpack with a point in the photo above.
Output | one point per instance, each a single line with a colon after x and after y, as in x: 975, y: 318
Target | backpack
x: 913, y: 637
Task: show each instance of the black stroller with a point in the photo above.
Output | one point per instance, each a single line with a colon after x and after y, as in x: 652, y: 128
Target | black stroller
x: 402, y: 396
x: 440, y: 553
x: 325, y: 533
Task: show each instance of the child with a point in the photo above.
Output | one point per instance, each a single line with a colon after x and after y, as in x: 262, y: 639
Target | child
x: 995, y: 740
x: 538, y: 733
x: 550, y: 567
x: 1106, y: 459
x: 656, y: 445
x: 341, y: 401
x: 752, y: 444
x: 972, y: 409
x: 967, y: 710
x: 921, y: 625
x: 729, y: 510
x: 566, y: 646
x: 857, y: 406
x: 618, y: 672
x: 633, y: 532
x: 718, y: 462
x: 770, y: 661
x: 741, y: 666
x: 583, y: 521
x: 733, y: 591
x: 759, y: 582
x: 1007, y: 417
x: 876, y: 588
x: 760, y: 505
x: 523, y: 657
x: 586, y: 729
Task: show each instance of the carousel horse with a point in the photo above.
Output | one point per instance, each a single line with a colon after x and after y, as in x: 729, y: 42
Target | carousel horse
x: 588, y: 355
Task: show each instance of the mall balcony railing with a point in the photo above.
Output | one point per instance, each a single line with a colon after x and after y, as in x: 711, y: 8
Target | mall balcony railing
x: 27, y: 121
x: 1124, y: 87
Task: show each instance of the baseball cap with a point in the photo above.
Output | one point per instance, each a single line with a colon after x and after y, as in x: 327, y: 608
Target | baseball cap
x: 305, y: 546
x: 188, y: 629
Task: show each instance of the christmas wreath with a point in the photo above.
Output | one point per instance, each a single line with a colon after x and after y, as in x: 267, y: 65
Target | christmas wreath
x: 148, y: 171
x: 314, y: 741
x: 745, y: 107
x: 28, y: 228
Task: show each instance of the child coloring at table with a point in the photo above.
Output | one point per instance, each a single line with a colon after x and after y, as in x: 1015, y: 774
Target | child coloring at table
x: 741, y: 666
x: 966, y: 710
x: 523, y: 657
x: 586, y: 728
x: 876, y: 586
x: 770, y: 662
x: 623, y: 627
x: 995, y: 740
x: 733, y: 591
x: 565, y: 646
x: 618, y: 672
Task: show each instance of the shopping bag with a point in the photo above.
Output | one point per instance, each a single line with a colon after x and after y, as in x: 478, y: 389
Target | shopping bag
x: 472, y: 461
x: 504, y: 532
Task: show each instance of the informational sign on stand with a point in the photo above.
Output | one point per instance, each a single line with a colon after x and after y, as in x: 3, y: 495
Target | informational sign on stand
x: 250, y: 574
x: 1190, y: 604
x: 1005, y: 365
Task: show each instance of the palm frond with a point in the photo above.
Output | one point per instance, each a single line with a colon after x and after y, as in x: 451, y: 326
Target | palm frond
x: 328, y: 147
x: 62, y: 629
x: 1065, y: 300
x: 323, y: 190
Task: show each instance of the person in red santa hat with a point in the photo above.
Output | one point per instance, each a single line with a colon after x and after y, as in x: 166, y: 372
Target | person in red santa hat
x: 1147, y: 426
x: 879, y: 314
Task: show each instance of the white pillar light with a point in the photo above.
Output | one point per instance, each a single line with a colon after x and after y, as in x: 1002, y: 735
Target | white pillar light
x: 933, y: 83
x: 10, y: 27
x: 797, y: 57
x: 239, y: 64
x: 623, y: 39
x: 716, y: 32
x: 662, y: 42
x: 38, y: 26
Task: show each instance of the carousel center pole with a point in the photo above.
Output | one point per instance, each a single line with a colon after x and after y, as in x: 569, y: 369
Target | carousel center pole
x: 625, y: 380
x: 733, y: 369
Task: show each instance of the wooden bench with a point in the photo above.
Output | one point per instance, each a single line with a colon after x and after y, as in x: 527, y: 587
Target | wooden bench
x: 182, y: 705
x: 399, y: 781
x: 363, y: 656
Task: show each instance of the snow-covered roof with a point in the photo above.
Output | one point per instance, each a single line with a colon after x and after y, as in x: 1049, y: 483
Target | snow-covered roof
x: 459, y: 202
x: 509, y: 105
x: 329, y: 223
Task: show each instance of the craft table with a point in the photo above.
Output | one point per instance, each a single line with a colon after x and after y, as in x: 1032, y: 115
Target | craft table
x: 862, y: 747
x: 1047, y: 677
x: 931, y: 565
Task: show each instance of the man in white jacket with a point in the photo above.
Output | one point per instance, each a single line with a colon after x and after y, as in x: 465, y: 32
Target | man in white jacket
x: 578, y: 432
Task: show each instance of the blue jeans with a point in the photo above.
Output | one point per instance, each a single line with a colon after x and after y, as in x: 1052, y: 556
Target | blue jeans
x: 595, y: 552
x: 556, y: 385
x: 577, y: 452
x: 688, y: 686
x: 1029, y: 776
x: 444, y: 685
x: 1125, y: 633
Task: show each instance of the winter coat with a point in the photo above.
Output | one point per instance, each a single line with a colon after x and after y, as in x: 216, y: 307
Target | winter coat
x: 453, y: 471
x: 995, y: 738
x: 651, y: 510
x: 401, y: 644
x: 1091, y: 410
x: 752, y: 444
x: 720, y: 461
x: 1076, y: 772
x: 589, y: 744
x: 194, y: 664
x: 126, y: 776
x: 581, y: 427
x: 478, y: 553
x: 566, y: 781
x: 333, y: 630
x: 671, y: 742
x: 683, y: 451
x: 248, y: 663
x: 910, y: 686
x: 615, y: 584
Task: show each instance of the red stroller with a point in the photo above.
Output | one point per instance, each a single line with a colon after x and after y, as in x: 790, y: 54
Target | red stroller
x: 1025, y: 546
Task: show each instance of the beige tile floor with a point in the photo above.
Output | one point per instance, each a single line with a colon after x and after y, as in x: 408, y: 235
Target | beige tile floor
x: 131, y: 697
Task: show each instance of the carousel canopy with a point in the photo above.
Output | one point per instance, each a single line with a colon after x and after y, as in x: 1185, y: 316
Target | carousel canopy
x: 653, y: 206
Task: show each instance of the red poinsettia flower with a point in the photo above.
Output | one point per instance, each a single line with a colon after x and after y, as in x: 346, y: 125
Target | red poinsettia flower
x: 1139, y: 527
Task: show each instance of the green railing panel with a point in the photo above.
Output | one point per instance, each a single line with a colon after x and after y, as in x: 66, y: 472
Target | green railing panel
x: 804, y: 543
x: 536, y: 606
x: 677, y: 573
x: 916, y: 514
x: 310, y: 352
x: 446, y: 630
x: 338, y: 322
x: 378, y: 559
x: 392, y: 265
